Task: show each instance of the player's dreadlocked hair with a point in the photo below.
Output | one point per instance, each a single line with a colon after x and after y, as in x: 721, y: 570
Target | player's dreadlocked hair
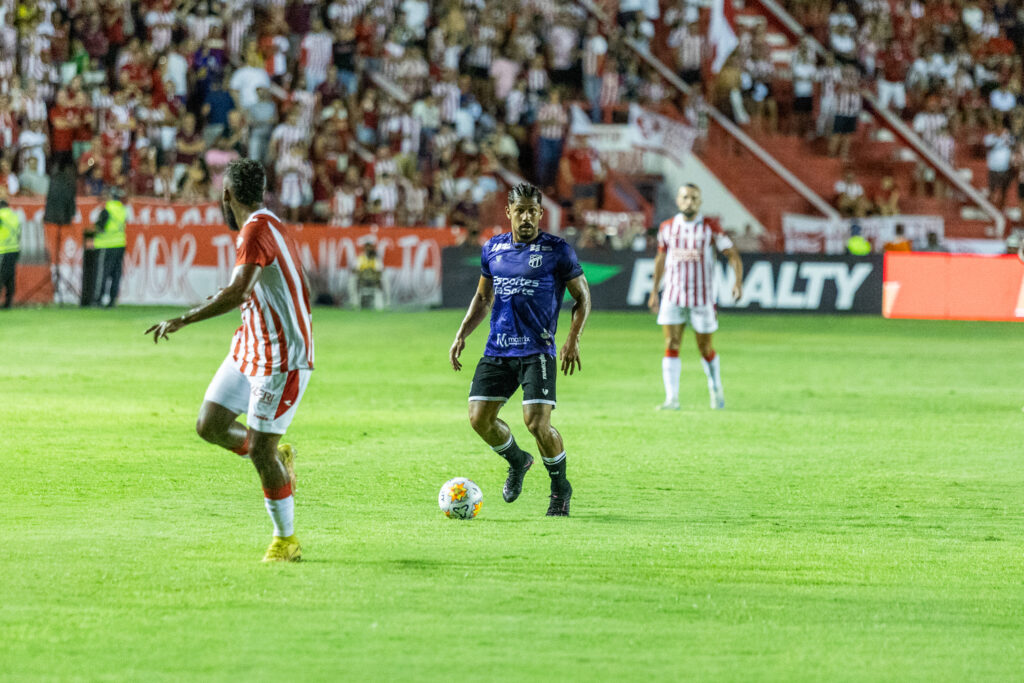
x: 248, y: 181
x: 523, y: 191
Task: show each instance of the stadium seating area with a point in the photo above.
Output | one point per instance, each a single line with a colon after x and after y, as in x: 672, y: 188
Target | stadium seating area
x: 950, y: 69
x: 409, y: 112
x: 364, y: 111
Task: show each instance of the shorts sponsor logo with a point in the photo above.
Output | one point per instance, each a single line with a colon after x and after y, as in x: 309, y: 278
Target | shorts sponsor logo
x: 536, y: 261
x: 544, y: 370
x: 504, y: 341
x: 264, y: 397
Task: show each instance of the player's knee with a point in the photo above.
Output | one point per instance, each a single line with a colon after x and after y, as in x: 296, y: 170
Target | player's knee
x: 480, y: 421
x: 537, y: 424
x: 206, y: 429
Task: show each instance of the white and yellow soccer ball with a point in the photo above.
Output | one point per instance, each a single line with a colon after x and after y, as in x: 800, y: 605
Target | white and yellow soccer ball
x: 460, y: 498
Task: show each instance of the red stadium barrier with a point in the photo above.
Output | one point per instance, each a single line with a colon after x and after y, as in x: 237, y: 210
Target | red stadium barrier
x: 182, y: 264
x: 952, y: 287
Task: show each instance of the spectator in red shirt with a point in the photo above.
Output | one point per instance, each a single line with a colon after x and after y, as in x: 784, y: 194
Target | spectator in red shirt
x: 63, y: 125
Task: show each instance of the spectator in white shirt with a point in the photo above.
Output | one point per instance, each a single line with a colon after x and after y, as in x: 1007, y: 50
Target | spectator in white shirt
x: 999, y: 152
x: 850, y: 197
x: 1003, y: 99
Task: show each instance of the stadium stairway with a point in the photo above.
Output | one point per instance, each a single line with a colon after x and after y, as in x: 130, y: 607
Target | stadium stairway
x: 875, y: 152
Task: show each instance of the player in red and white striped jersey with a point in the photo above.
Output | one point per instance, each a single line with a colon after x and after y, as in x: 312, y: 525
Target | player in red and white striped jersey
x: 271, y: 358
x: 686, y: 259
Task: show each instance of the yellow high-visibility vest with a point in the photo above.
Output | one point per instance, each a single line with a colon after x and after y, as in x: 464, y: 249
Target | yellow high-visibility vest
x: 113, y: 233
x: 10, y: 231
x: 858, y: 246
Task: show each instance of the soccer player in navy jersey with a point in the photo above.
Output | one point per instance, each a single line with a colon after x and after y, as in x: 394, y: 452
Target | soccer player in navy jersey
x: 523, y: 277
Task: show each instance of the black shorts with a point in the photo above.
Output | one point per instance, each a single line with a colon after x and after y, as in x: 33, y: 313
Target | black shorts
x: 496, y: 379
x: 803, y: 104
x: 844, y: 125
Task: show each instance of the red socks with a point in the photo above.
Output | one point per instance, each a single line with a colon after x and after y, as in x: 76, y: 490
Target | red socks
x: 278, y: 494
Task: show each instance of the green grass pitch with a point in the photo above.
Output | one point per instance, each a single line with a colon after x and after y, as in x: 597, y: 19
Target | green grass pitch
x: 854, y: 514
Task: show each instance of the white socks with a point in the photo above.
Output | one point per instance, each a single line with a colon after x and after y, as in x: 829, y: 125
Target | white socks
x: 671, y: 368
x: 714, y: 373
x: 282, y: 513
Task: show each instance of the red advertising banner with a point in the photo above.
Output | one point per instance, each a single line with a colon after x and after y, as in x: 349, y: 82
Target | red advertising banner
x: 952, y: 286
x: 183, y: 264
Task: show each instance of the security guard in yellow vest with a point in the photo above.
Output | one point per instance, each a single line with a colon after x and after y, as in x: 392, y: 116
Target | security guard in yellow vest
x: 857, y: 245
x: 110, y: 239
x: 10, y: 249
x: 370, y: 287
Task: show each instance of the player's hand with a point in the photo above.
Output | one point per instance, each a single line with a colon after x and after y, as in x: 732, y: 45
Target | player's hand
x: 653, y: 301
x: 570, y: 356
x: 737, y: 291
x: 162, y: 329
x: 455, y: 352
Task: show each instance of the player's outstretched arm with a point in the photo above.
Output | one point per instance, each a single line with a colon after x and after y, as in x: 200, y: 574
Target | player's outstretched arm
x: 659, y: 271
x: 737, y: 268
x: 479, y: 307
x: 243, y: 280
x: 579, y: 290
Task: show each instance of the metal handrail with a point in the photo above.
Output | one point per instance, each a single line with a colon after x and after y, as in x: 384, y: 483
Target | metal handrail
x: 736, y: 132
x: 905, y: 132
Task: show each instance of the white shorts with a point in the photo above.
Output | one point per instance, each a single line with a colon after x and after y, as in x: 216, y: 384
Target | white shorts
x: 268, y: 401
x: 703, y: 319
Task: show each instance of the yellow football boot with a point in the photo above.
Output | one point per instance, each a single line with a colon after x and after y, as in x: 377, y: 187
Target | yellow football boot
x: 283, y: 549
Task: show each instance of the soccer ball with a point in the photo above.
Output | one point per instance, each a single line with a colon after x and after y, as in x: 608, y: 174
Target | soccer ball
x: 460, y: 498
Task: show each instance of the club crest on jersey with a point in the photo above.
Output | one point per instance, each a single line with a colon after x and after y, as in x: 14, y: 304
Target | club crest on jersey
x: 536, y: 260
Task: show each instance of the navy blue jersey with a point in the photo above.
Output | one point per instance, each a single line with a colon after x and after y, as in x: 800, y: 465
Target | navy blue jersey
x: 529, y: 282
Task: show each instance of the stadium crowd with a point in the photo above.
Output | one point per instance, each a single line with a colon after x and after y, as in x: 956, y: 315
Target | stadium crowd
x: 951, y: 68
x: 382, y: 111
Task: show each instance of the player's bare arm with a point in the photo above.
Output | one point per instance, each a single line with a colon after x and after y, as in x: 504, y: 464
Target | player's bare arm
x: 570, y: 352
x: 479, y: 308
x: 243, y: 280
x: 659, y: 272
x: 737, y: 268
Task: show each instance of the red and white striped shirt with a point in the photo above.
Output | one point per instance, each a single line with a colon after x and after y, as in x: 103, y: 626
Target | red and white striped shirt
x: 610, y: 88
x: 448, y: 94
x: 689, y: 48
x: 594, y: 50
x: 690, y: 259
x: 276, y: 335
x: 35, y: 109
x: 537, y: 80
x: 848, y: 103
x: 199, y: 27
x: 161, y: 26
x: 553, y: 121
x: 317, y: 52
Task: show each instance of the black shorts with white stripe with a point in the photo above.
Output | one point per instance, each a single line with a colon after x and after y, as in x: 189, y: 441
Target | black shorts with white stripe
x: 497, y: 378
